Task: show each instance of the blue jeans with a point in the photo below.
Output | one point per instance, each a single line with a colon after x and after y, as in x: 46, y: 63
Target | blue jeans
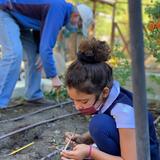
x: 13, y: 43
x: 104, y: 133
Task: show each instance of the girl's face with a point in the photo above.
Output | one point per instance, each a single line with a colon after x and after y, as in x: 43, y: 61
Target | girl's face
x: 83, y: 100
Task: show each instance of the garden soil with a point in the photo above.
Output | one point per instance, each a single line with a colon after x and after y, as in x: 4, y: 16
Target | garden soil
x: 44, y: 139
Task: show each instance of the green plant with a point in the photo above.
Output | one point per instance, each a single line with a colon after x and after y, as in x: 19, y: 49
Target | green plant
x: 120, y: 64
x: 152, y: 36
x: 155, y: 78
x: 150, y: 91
x: 59, y: 96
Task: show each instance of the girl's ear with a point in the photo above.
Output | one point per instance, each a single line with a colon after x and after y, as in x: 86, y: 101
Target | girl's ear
x: 105, y: 92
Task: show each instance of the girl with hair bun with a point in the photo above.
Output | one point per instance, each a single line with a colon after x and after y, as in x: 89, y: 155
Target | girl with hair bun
x: 91, y: 86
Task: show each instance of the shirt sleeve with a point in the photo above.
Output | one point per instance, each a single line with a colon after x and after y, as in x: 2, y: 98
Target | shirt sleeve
x: 3, y: 2
x: 123, y: 115
x: 52, y: 24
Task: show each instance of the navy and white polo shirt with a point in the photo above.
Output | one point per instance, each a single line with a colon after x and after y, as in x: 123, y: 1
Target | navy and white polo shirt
x: 119, y: 106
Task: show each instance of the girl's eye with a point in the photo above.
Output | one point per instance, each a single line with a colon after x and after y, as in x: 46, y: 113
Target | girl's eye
x: 84, y: 102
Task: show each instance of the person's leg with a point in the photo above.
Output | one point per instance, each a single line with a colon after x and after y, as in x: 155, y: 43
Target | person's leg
x: 105, y: 134
x: 33, y: 76
x: 11, y: 57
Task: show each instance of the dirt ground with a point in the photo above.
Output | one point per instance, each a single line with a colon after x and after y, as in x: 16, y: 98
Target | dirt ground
x: 45, y: 137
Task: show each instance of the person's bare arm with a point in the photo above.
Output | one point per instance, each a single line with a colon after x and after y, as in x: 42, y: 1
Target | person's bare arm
x: 127, y: 145
x: 81, y: 152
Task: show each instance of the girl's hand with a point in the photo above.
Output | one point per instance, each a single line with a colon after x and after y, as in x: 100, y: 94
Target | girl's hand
x: 79, y: 152
x: 76, y: 139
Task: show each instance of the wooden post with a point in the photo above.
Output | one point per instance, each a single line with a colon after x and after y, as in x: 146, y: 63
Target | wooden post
x: 94, y: 17
x: 113, y: 26
x: 123, y: 38
x: 138, y: 77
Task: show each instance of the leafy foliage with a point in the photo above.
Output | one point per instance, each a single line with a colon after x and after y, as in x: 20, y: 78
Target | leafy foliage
x: 153, y: 11
x: 121, y: 66
x: 59, y: 96
x: 155, y: 79
x: 152, y: 38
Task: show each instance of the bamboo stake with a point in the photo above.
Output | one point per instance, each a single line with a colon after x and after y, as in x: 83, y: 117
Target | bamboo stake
x: 20, y: 149
x: 66, y: 146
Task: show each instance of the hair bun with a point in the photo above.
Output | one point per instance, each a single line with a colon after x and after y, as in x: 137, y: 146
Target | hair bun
x: 93, y: 51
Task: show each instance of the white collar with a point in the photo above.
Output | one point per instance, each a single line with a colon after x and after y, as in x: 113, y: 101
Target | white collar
x: 115, y: 91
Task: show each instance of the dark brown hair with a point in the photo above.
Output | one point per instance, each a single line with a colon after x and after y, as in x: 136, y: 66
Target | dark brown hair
x: 90, y: 73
